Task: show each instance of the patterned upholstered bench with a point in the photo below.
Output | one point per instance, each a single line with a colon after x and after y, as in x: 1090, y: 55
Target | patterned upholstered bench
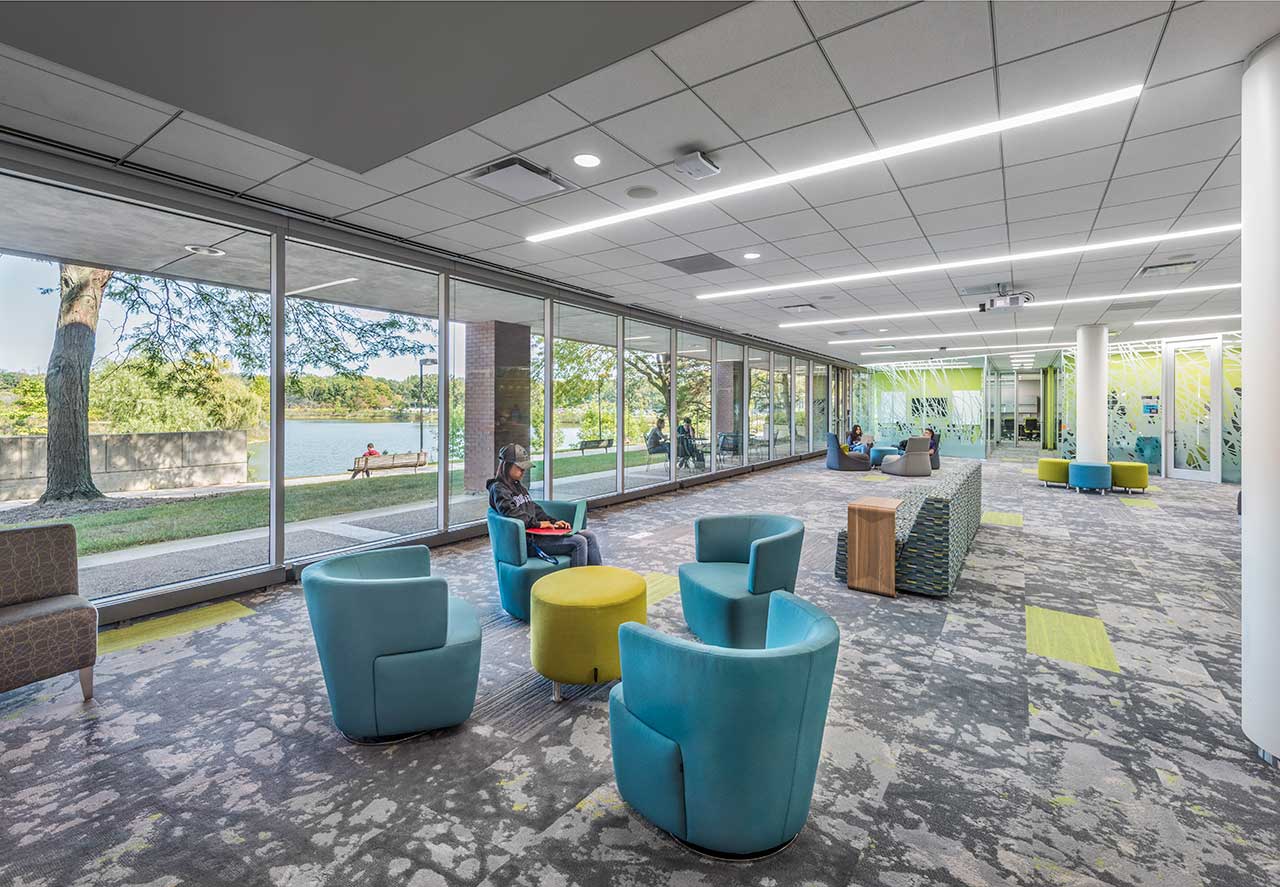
x: 935, y: 526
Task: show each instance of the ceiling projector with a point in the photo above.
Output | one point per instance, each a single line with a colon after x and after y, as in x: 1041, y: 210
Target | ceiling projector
x: 998, y: 298
x: 696, y: 166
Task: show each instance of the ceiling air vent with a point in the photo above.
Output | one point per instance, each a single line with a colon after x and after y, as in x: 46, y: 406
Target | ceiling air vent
x: 1169, y: 270
x: 1140, y: 305
x: 806, y: 308
x: 518, y: 179
x: 699, y: 264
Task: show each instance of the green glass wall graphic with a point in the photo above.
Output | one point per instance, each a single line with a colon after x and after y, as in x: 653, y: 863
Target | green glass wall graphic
x: 1231, y: 413
x: 901, y: 402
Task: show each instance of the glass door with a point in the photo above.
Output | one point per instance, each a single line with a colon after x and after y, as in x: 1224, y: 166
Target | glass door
x: 1193, y: 398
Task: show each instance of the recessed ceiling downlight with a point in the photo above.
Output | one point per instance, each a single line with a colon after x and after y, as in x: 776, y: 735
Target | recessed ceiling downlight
x: 642, y: 192
x: 204, y: 250
x: 590, y: 161
x: 750, y: 255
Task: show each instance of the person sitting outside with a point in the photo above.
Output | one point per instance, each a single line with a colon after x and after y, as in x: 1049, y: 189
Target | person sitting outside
x: 508, y: 497
x: 369, y: 450
x: 688, y: 450
x: 656, y: 440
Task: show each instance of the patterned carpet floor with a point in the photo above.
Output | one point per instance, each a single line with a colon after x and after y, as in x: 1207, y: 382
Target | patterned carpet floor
x: 952, y: 754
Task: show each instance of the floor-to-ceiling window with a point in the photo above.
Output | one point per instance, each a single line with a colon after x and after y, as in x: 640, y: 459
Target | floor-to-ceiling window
x: 646, y: 374
x: 584, y: 396
x: 781, y: 421
x: 361, y: 448
x: 800, y: 413
x: 758, y: 416
x: 730, y: 388
x: 495, y: 366
x: 693, y: 404
x: 134, y: 385
x: 821, y: 405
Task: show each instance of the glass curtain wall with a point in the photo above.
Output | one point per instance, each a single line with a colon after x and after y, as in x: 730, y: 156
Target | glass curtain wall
x: 781, y: 422
x: 800, y: 413
x: 646, y: 359
x: 821, y: 406
x: 361, y: 452
x: 731, y: 385
x: 758, y: 415
x: 495, y: 391
x: 584, y: 395
x: 693, y: 404
x: 168, y: 319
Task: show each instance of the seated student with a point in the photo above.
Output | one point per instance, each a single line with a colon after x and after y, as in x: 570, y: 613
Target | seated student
x: 656, y: 440
x: 933, y: 440
x: 856, y: 443
x: 688, y: 449
x: 508, y: 497
x: 369, y: 450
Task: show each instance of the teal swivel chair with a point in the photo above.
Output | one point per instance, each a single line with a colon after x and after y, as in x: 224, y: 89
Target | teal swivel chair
x: 400, y: 655
x: 741, y: 558
x: 516, y: 570
x: 720, y: 747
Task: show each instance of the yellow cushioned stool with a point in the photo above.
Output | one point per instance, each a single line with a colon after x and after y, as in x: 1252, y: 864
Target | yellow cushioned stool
x: 1052, y: 471
x: 574, y: 619
x: 1129, y: 476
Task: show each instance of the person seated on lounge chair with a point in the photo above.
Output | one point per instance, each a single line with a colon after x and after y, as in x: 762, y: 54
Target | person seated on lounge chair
x: 857, y: 444
x: 933, y: 440
x: 656, y: 440
x: 508, y: 497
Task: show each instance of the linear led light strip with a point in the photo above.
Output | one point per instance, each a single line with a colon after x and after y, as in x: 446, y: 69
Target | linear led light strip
x: 1041, y: 346
x: 977, y: 263
x: 321, y: 286
x: 947, y: 138
x: 1025, y: 329
x: 867, y: 318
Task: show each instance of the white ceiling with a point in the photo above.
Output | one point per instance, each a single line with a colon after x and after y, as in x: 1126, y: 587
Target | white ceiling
x: 773, y: 86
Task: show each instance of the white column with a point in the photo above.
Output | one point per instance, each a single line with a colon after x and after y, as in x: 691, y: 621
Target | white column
x: 1091, y: 393
x: 1260, y: 266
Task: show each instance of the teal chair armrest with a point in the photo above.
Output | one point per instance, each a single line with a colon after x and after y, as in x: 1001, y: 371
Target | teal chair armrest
x: 506, y: 535
x: 775, y: 561
x: 572, y: 513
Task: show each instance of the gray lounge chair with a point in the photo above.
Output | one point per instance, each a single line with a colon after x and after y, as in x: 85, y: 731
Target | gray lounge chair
x: 914, y: 463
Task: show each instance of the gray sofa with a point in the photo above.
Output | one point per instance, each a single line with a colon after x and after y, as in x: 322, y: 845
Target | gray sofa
x: 46, y: 627
x: 913, y: 463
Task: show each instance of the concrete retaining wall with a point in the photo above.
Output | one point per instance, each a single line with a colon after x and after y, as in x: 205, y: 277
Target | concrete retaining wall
x: 133, y: 462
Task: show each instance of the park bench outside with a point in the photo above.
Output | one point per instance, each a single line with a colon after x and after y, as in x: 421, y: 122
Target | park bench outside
x: 600, y: 443
x: 367, y: 464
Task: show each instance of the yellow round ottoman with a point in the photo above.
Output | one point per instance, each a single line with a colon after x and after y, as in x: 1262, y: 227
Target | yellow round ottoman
x: 1129, y: 476
x: 1052, y: 471
x: 574, y: 619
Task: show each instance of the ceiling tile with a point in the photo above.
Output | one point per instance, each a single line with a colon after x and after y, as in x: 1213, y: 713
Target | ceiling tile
x: 818, y: 142
x: 1211, y: 200
x: 1161, y: 183
x: 763, y: 203
x: 850, y: 184
x: 795, y: 224
x: 728, y: 237
x: 557, y: 155
x: 1026, y: 28
x: 1228, y: 172
x: 669, y: 128
x: 628, y: 84
x: 526, y: 253
x: 293, y: 199
x: 416, y: 215
x: 401, y: 175
x: 1195, y: 99
x: 576, y: 206
x: 669, y: 248
x: 1142, y: 211
x: 47, y: 127
x: 616, y: 190
x: 571, y: 267
x: 882, y: 232
x: 316, y: 181
x: 791, y: 89
x: 949, y: 220
x: 1056, y: 203
x: 695, y: 218
x: 938, y: 109
x: 619, y: 257
x: 628, y: 233
x: 825, y: 16
x: 866, y: 210
x: 447, y: 244
x: 748, y: 34
x: 1203, y: 142
x: 463, y: 198
x: 839, y: 258
x: 395, y: 229
x: 812, y: 244
x: 214, y: 146
x: 1071, y: 223
x: 1065, y: 171
x: 982, y: 187
x: 461, y: 151
x: 530, y: 123
x: 1066, y: 135
x: 945, y: 40
x: 191, y: 169
x: 522, y: 220
x: 971, y: 238
x: 1208, y: 35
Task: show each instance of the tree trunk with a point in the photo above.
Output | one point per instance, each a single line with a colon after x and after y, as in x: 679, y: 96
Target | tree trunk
x: 66, y: 384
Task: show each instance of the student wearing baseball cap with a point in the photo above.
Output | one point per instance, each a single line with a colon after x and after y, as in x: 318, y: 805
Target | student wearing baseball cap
x: 508, y: 497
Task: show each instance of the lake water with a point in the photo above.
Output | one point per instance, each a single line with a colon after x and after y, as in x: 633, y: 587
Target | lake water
x: 328, y: 446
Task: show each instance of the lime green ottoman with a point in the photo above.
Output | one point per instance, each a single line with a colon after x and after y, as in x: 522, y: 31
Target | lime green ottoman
x: 1129, y: 476
x: 1053, y: 471
x: 574, y: 617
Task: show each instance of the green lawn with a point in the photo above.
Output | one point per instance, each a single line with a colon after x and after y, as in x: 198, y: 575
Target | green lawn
x: 249, y: 509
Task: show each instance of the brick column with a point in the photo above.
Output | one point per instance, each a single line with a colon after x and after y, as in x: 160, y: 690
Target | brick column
x: 497, y: 396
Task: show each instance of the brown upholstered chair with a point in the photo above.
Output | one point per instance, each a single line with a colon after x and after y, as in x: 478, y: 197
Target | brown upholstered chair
x: 46, y: 627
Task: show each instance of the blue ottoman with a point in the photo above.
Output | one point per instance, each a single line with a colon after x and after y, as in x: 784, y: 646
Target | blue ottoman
x: 1089, y: 476
x: 878, y: 453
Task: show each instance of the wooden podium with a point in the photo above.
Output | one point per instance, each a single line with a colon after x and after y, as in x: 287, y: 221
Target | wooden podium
x: 872, y: 545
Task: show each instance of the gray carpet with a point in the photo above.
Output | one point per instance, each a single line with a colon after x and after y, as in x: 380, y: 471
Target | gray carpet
x: 951, y: 756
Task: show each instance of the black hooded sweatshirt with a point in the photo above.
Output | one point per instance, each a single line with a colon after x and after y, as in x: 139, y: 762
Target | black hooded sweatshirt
x: 510, y: 499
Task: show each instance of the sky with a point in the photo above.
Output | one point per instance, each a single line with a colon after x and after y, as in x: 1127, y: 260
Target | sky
x: 29, y: 317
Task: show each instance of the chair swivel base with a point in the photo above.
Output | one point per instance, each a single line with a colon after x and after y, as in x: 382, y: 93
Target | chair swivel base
x: 383, y: 740
x: 721, y: 856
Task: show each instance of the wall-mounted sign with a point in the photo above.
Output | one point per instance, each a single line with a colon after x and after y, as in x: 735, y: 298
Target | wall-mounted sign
x: 1150, y: 404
